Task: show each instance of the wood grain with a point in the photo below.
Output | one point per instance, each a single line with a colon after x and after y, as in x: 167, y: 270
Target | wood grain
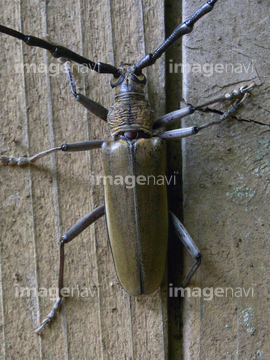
x: 226, y: 185
x: 39, y: 203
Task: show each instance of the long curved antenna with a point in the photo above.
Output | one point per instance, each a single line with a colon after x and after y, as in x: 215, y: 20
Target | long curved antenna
x: 184, y: 28
x: 59, y: 51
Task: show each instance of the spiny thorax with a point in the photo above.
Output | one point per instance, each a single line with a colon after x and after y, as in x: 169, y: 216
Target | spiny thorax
x: 130, y: 112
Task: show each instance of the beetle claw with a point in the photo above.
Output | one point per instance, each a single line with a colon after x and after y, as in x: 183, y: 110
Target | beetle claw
x: 49, y: 317
x: 44, y: 323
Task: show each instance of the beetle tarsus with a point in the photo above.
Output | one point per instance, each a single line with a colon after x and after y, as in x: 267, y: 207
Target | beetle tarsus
x: 50, y: 316
x: 11, y: 160
x: 233, y: 108
x: 191, y: 272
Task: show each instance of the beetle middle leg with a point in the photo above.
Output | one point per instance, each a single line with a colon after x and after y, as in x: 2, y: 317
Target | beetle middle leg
x: 184, y: 132
x: 173, y: 116
x: 189, y: 244
x: 73, y: 232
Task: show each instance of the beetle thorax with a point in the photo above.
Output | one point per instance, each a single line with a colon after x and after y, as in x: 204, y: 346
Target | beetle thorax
x: 130, y: 112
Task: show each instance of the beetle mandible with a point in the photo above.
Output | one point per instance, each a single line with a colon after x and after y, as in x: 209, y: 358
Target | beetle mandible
x: 138, y: 148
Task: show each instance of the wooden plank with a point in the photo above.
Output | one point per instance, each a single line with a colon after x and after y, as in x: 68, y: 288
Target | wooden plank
x: 39, y: 203
x: 226, y: 192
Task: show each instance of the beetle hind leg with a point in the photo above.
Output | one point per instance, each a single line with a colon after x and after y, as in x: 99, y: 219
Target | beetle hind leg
x: 189, y: 244
x: 74, y: 231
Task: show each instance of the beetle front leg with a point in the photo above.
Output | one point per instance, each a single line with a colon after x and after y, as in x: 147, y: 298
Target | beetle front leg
x: 189, y: 244
x: 77, y: 146
x: 73, y: 232
x: 89, y: 104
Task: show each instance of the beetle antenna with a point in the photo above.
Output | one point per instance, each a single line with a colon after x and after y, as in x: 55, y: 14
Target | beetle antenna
x: 59, y: 51
x: 184, y: 28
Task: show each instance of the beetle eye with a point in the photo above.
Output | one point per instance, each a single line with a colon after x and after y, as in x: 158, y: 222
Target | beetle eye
x: 117, y: 81
x: 141, y: 79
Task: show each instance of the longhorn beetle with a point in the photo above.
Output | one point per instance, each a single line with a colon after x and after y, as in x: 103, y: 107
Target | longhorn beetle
x: 138, y: 238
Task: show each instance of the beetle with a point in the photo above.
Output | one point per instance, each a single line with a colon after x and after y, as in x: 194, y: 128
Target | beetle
x: 137, y: 149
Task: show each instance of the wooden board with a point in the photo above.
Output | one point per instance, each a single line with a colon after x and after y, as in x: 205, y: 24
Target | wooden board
x: 41, y: 202
x: 226, y: 185
x: 225, y: 178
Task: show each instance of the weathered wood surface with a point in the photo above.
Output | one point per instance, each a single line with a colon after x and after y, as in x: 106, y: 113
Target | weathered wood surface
x: 226, y: 186
x: 39, y: 203
x: 226, y: 193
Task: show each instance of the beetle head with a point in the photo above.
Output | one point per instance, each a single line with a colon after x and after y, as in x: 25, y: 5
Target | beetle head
x: 127, y: 81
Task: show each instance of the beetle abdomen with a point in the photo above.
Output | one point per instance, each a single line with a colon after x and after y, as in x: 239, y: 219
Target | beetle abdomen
x: 136, y: 211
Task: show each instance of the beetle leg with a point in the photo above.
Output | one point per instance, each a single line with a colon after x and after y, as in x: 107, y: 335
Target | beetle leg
x: 189, y: 244
x: 173, y: 116
x: 77, y: 146
x: 89, y: 104
x: 73, y: 232
x: 225, y: 116
x: 184, y: 132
